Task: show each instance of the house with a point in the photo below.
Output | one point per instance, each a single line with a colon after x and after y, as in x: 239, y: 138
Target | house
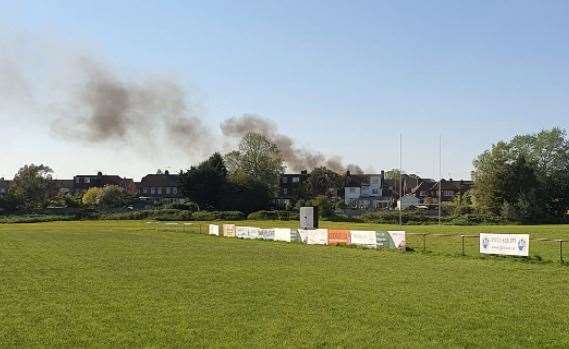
x: 407, y: 201
x: 366, y: 191
x: 82, y: 183
x: 4, y: 186
x: 160, y: 187
x: 290, y: 188
x: 428, y: 191
x: 61, y: 186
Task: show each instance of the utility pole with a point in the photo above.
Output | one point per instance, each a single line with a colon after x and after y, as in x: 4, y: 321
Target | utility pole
x: 440, y: 175
x: 400, y: 177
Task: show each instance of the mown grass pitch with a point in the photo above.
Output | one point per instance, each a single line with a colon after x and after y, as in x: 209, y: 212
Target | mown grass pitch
x: 126, y: 284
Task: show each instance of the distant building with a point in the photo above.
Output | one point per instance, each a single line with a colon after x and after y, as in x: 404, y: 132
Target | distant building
x: 428, y: 192
x: 407, y: 201
x: 366, y: 191
x: 161, y: 187
x: 4, y: 186
x: 61, y: 186
x: 290, y: 188
x: 82, y: 183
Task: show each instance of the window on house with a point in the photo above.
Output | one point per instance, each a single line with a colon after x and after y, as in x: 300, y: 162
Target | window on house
x: 152, y: 190
x: 448, y: 193
x: 295, y: 179
x: 284, y: 179
x: 168, y: 190
x: 78, y: 180
x: 175, y: 190
x: 87, y: 180
x: 145, y: 190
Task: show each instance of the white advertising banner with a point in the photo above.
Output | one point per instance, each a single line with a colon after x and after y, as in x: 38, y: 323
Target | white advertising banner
x: 303, y: 233
x: 505, y: 244
x: 267, y: 234
x: 283, y: 234
x: 214, y: 229
x: 363, y: 238
x: 317, y: 237
x: 397, y: 238
x: 247, y: 232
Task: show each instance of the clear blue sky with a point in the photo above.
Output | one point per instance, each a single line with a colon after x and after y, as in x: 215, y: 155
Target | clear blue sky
x: 341, y: 77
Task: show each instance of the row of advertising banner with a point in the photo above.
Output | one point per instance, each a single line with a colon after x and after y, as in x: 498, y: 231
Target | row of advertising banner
x: 372, y: 239
x: 495, y: 244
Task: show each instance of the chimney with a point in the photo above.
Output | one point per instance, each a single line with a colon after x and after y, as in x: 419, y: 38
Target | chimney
x: 99, y: 174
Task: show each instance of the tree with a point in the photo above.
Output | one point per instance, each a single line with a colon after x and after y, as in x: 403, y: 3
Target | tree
x: 323, y: 181
x: 248, y: 195
x: 205, y: 183
x: 31, y: 186
x: 112, y: 196
x: 529, y: 174
x: 92, y: 197
x: 256, y: 158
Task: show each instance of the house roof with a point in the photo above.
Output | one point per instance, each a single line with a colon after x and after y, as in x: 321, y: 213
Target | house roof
x: 461, y: 185
x: 63, y: 183
x: 159, y: 180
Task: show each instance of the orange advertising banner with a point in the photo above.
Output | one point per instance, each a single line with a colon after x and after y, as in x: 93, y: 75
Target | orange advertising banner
x: 338, y: 237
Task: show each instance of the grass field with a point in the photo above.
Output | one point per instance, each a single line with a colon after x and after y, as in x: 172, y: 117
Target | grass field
x: 127, y: 284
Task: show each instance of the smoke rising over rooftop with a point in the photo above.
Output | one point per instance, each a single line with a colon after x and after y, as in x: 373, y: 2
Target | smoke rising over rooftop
x: 297, y: 159
x: 83, y: 100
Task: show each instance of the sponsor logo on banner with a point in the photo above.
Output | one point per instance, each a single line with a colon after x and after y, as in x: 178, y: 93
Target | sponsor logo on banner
x: 214, y: 229
x: 303, y: 235
x: 247, y: 232
x: 505, y: 244
x: 267, y: 234
x: 229, y: 230
x: 391, y: 239
x: 317, y: 237
x: 338, y: 237
x: 363, y: 238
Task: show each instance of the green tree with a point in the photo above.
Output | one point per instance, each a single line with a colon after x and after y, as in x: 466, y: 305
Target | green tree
x: 31, y: 186
x: 247, y: 196
x: 256, y: 158
x: 112, y: 196
x: 528, y: 175
x: 204, y: 184
x: 92, y: 197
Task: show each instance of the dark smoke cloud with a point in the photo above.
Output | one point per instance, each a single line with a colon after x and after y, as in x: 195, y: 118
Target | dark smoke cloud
x: 104, y: 108
x: 87, y: 102
x: 297, y: 159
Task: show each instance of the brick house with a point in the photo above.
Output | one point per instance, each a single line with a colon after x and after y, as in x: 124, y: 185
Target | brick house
x: 160, y: 187
x: 290, y: 187
x: 428, y: 192
x: 82, y: 183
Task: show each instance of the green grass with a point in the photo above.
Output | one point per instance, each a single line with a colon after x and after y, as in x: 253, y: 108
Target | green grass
x: 125, y: 284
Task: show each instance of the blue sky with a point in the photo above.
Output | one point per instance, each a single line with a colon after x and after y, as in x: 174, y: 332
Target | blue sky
x: 340, y: 77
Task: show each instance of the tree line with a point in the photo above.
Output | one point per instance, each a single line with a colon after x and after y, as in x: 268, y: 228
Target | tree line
x: 525, y: 179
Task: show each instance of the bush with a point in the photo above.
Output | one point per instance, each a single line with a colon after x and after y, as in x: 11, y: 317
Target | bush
x: 218, y: 215
x: 473, y: 219
x: 392, y: 217
x: 274, y: 215
x: 35, y: 218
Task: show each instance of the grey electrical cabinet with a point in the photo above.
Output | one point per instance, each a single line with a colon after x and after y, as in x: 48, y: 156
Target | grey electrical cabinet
x: 308, y: 217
